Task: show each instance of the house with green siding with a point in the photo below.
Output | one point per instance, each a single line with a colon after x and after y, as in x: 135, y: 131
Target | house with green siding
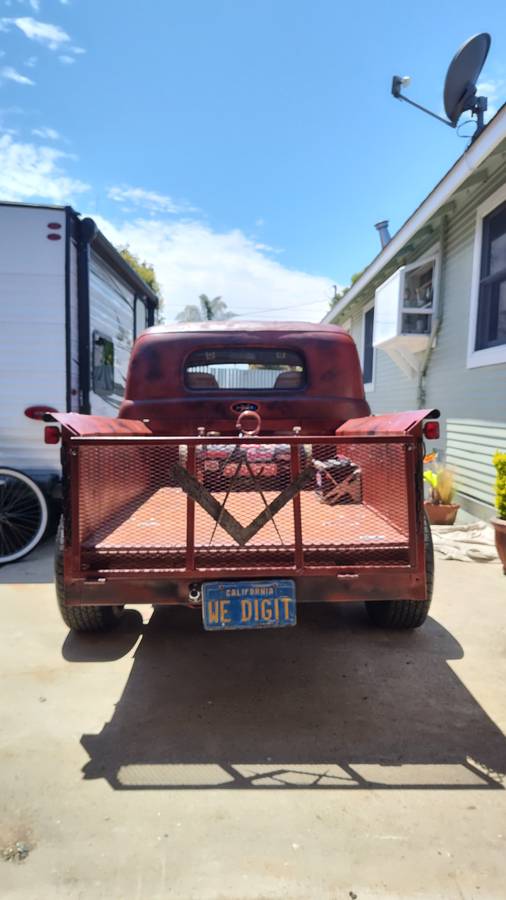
x: 428, y: 315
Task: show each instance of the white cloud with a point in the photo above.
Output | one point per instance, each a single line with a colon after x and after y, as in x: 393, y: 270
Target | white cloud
x: 78, y: 50
x: 31, y: 62
x: 29, y: 172
x: 495, y: 91
x: 43, y: 32
x: 190, y: 259
x: 148, y: 200
x: 46, y: 133
x: 189, y: 256
x: 13, y: 75
x: 66, y: 60
x: 34, y: 4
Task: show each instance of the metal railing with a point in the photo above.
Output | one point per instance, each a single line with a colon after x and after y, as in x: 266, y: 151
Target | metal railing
x: 217, y: 506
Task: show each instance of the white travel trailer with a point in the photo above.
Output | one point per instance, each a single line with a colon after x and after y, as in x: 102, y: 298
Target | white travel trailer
x: 70, y: 309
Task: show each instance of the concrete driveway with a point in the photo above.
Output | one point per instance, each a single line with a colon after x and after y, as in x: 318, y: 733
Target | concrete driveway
x: 327, y: 761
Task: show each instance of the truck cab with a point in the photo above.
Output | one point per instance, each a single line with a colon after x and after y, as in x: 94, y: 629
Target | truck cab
x: 204, y: 374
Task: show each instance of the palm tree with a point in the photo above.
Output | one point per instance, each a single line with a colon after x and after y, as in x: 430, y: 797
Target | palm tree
x: 208, y: 310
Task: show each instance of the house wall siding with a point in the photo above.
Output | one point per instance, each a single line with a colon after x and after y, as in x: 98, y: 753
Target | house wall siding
x: 459, y: 391
x: 462, y: 394
x: 392, y: 391
x: 470, y: 446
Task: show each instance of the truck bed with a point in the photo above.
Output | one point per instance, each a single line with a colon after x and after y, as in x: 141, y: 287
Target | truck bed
x: 155, y: 531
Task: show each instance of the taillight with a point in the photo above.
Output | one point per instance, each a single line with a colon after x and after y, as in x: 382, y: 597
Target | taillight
x: 51, y: 434
x: 431, y: 430
x: 38, y: 412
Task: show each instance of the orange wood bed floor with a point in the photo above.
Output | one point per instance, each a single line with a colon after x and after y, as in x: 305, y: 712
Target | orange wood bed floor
x: 160, y: 522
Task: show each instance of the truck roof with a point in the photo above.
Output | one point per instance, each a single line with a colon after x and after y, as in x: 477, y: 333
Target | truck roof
x: 240, y: 325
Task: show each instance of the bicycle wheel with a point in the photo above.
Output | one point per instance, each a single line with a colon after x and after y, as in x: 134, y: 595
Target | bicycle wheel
x: 23, y: 515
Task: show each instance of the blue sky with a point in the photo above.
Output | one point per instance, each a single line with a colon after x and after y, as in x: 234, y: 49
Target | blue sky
x: 245, y: 148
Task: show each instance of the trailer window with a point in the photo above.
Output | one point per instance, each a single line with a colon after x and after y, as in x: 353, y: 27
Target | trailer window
x: 245, y: 369
x: 103, y: 364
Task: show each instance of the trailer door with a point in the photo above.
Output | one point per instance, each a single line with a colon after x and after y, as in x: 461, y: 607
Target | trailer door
x: 112, y: 322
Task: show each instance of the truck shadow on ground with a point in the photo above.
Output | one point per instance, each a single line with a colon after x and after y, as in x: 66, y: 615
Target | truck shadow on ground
x: 331, y: 704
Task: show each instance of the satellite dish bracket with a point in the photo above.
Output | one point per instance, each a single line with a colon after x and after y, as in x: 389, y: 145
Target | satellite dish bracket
x: 396, y: 91
x: 460, y: 84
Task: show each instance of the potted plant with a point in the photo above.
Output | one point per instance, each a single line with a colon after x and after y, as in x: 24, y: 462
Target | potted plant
x: 499, y: 523
x: 439, y: 508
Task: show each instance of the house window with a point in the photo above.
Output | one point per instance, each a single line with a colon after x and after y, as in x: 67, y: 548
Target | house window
x: 368, y: 348
x: 417, y: 301
x: 487, y: 319
x: 491, y: 317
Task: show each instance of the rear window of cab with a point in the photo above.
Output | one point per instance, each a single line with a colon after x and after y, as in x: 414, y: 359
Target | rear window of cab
x: 248, y: 369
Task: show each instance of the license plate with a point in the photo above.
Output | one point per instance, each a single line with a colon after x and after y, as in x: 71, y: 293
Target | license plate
x: 248, y: 604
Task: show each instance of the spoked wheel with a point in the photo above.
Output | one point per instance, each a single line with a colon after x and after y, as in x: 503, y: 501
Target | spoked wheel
x: 23, y: 515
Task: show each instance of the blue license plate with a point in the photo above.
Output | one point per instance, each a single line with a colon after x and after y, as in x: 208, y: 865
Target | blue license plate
x: 248, y: 604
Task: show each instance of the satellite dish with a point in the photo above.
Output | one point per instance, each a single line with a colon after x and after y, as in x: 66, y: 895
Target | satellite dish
x: 463, y: 73
x: 460, y: 84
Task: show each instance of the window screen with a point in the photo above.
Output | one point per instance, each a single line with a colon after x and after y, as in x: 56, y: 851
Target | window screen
x: 245, y: 369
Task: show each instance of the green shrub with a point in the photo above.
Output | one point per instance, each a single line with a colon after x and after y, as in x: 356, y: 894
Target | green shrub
x: 499, y: 461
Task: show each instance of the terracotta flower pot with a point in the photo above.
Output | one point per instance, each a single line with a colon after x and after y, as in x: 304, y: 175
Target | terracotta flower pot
x: 500, y: 540
x: 441, y: 513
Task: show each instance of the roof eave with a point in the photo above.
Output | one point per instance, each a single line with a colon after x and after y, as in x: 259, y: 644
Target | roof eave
x: 476, y: 153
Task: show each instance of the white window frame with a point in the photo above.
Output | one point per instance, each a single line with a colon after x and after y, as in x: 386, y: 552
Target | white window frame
x: 490, y: 356
x: 434, y: 256
x: 368, y: 386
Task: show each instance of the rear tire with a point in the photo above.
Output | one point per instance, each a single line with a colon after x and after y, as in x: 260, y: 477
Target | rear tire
x: 406, y: 613
x: 80, y: 618
x: 23, y: 515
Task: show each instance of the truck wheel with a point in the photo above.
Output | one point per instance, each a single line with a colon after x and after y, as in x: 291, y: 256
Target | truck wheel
x: 406, y: 613
x: 23, y: 515
x: 80, y: 618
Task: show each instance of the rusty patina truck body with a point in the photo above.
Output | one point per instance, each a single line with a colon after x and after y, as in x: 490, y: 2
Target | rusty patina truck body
x: 244, y: 475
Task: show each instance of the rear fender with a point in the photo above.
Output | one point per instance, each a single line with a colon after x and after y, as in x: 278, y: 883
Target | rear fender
x: 81, y: 425
x: 389, y: 424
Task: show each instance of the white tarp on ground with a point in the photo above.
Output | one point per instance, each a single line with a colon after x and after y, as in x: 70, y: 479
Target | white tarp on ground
x: 474, y: 542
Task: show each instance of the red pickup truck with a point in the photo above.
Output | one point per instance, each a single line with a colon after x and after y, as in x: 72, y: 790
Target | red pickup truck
x: 244, y: 476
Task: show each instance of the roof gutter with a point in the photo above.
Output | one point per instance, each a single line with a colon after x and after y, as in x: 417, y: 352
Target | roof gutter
x: 488, y: 140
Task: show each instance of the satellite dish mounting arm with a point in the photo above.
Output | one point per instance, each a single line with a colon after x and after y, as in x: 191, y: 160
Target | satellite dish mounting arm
x: 397, y: 83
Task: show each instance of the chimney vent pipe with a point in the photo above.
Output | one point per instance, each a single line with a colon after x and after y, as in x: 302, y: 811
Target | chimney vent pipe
x: 384, y: 234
